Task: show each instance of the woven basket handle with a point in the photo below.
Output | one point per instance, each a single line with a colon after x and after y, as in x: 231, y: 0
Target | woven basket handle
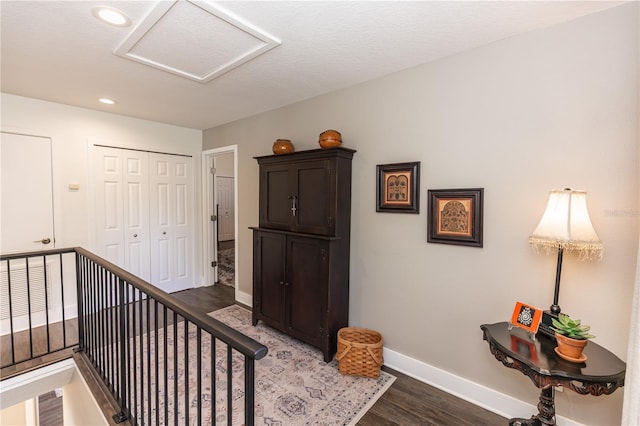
x: 344, y: 353
x: 377, y: 360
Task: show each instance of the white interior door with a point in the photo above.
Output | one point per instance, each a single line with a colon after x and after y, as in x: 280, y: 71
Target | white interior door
x: 224, y: 193
x: 211, y: 261
x: 122, y: 209
x: 171, y: 201
x: 137, y: 236
x: 26, y: 193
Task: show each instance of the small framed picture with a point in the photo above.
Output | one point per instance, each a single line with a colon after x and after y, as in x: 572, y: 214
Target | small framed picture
x: 527, y: 317
x: 455, y: 216
x: 398, y: 188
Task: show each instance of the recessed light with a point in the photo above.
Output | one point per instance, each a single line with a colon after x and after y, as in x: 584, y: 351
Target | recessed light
x: 111, y: 16
x: 107, y: 101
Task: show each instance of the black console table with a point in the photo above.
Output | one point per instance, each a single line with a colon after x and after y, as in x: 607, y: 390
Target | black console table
x: 601, y: 374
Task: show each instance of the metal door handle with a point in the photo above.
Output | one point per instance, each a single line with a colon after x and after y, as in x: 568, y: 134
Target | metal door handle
x: 43, y: 241
x: 135, y: 235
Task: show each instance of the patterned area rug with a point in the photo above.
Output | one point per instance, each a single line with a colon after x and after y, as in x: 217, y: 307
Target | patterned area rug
x: 226, y: 273
x: 294, y: 386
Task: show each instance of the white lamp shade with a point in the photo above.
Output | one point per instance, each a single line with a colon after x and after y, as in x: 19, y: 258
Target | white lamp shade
x: 566, y: 223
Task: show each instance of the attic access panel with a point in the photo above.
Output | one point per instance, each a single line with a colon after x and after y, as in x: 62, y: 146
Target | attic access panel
x: 194, y: 39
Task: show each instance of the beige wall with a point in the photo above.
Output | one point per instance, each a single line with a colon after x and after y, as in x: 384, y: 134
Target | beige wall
x: 16, y: 414
x: 79, y: 406
x: 224, y: 165
x: 549, y: 109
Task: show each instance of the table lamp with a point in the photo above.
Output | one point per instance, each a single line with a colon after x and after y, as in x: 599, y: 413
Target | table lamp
x: 566, y: 226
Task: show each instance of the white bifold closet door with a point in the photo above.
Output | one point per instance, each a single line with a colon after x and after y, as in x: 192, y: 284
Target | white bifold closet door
x: 122, y: 209
x: 171, y: 197
x: 144, y: 215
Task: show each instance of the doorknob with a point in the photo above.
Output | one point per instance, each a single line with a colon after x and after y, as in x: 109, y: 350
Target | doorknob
x: 43, y: 241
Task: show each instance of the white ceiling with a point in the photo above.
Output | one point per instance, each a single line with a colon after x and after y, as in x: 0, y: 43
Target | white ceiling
x: 201, y: 64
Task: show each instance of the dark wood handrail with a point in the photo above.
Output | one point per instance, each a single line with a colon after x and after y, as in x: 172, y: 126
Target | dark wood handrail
x: 230, y: 336
x: 243, y: 344
x: 12, y: 256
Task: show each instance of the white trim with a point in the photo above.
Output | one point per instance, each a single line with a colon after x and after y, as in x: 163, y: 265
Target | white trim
x: 207, y: 187
x: 36, y: 382
x: 244, y: 298
x: 263, y: 43
x: 475, y: 393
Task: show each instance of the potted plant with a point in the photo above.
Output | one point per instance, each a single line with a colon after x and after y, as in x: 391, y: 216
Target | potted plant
x: 572, y: 337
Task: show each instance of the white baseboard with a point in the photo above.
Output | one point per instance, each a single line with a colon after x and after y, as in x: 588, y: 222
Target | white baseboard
x: 475, y: 393
x: 244, y: 298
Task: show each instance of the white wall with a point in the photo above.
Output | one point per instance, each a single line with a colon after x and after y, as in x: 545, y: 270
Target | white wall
x: 553, y: 108
x: 72, y: 130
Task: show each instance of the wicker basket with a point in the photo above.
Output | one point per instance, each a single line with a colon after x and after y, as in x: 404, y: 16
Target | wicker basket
x: 359, y: 352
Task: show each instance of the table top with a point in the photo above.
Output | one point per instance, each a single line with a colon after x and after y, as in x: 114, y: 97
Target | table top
x: 539, y: 355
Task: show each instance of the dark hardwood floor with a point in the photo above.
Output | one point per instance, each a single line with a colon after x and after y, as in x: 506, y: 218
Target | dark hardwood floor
x: 407, y: 402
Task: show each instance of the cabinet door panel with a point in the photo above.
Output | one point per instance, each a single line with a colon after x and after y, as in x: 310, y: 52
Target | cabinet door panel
x: 314, y: 198
x: 306, y: 276
x: 275, y: 197
x: 270, y: 275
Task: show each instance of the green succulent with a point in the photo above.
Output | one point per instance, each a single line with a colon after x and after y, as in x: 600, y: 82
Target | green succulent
x: 571, y: 328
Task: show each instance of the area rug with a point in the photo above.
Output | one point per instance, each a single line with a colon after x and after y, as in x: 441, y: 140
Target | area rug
x: 294, y: 386
x: 226, y: 264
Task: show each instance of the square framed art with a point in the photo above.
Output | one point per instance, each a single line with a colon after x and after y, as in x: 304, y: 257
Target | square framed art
x: 455, y: 216
x: 398, y: 188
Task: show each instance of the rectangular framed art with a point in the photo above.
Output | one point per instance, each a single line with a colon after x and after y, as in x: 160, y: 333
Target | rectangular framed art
x: 398, y: 188
x: 455, y: 216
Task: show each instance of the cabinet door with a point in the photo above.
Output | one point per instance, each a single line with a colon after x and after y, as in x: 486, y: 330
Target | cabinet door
x: 314, y: 189
x: 276, y: 196
x: 306, y: 285
x: 269, y: 279
x: 298, y: 196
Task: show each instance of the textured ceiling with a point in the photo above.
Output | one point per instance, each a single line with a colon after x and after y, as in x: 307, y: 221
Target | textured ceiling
x: 201, y: 64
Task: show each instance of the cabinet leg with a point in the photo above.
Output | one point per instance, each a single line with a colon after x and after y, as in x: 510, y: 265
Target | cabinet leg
x: 254, y: 321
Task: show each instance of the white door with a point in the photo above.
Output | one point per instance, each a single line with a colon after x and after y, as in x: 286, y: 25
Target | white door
x: 122, y: 209
x: 224, y: 192
x: 26, y: 193
x: 26, y: 200
x: 211, y: 228
x: 171, y: 201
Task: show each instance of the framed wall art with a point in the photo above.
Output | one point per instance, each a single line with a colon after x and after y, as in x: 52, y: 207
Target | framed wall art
x: 398, y: 188
x: 455, y: 216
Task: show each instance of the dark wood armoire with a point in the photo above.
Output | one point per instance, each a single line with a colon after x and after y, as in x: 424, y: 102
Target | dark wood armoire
x: 301, y: 246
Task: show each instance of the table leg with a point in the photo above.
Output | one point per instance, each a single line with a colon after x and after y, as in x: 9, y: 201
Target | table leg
x: 546, y: 411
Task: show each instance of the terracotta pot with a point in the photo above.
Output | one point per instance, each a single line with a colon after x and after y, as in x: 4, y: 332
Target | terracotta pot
x: 571, y: 348
x: 330, y: 139
x: 282, y: 146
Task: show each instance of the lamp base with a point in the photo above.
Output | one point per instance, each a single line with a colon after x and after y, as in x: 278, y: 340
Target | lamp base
x: 546, y: 323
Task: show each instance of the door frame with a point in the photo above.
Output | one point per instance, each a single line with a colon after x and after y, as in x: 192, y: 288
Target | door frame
x: 208, y: 192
